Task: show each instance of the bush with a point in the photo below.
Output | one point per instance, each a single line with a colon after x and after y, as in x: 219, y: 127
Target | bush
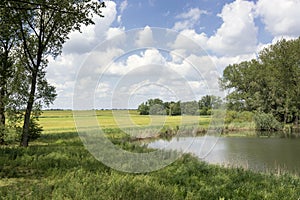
x: 35, y: 130
x: 239, y: 117
x: 266, y: 122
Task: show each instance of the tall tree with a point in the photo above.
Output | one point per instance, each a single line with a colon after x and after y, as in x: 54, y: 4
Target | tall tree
x: 269, y: 84
x: 44, y: 27
x: 8, y: 41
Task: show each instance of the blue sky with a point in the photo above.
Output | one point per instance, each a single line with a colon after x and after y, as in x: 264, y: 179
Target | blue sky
x: 163, y: 13
x: 229, y: 31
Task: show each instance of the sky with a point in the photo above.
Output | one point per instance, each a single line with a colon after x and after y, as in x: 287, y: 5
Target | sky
x: 168, y: 49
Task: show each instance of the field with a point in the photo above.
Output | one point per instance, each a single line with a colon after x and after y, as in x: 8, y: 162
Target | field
x: 63, y: 121
x: 57, y: 166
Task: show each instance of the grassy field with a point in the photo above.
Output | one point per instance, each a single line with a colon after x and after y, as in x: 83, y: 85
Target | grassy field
x: 57, y: 166
x: 63, y: 121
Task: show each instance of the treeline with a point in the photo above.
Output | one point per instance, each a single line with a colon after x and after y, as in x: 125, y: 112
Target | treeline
x: 269, y: 85
x: 201, y: 107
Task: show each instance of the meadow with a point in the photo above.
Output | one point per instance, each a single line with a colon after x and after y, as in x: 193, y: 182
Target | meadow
x: 63, y: 121
x: 57, y: 166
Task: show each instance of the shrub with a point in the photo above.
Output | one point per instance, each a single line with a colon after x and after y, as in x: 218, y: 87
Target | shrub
x: 35, y: 130
x: 266, y: 122
x: 234, y: 116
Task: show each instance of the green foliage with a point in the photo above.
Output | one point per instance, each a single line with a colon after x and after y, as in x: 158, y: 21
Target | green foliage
x: 204, y: 107
x: 210, y: 101
x: 69, y: 171
x: 238, y: 117
x: 143, y: 109
x: 35, y: 130
x: 40, y: 28
x: 269, y: 84
x: 266, y: 122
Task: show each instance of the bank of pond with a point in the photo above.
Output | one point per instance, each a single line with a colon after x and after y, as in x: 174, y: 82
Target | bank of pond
x: 58, y: 166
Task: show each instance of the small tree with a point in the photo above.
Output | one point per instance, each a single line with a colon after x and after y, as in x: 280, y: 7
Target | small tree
x: 44, y: 27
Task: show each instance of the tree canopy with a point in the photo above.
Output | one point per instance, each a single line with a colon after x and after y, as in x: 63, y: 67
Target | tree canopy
x: 268, y: 84
x: 159, y: 107
x: 41, y: 27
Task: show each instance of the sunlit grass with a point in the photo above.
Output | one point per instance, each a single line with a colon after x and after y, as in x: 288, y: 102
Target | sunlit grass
x: 63, y: 121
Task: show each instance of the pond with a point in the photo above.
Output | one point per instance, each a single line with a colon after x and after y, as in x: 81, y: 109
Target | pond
x: 256, y: 153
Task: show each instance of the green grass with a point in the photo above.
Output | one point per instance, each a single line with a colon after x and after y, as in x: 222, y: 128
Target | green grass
x: 63, y: 121
x: 57, y: 166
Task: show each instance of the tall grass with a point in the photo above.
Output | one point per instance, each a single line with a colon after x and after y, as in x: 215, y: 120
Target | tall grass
x: 57, y: 166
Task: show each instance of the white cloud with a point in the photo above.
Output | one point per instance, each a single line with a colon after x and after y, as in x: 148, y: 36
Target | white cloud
x: 113, y: 33
x: 188, y: 39
x: 123, y: 6
x: 281, y: 17
x: 119, y: 19
x: 62, y: 71
x: 238, y: 33
x: 92, y: 35
x: 188, y: 19
x: 132, y: 62
x: 145, y: 38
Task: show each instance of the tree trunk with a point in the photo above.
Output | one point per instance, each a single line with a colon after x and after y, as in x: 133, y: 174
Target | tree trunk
x: 25, y: 132
x: 2, y: 114
x: 3, y: 91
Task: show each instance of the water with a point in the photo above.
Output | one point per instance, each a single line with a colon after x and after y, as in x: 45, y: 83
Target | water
x: 260, y: 154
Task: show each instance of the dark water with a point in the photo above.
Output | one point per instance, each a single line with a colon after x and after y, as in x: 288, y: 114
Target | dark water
x: 260, y: 154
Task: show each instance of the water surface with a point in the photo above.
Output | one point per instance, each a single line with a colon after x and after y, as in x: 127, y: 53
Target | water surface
x: 256, y: 153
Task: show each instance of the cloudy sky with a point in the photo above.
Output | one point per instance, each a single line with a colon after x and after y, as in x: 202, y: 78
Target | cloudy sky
x: 170, y: 49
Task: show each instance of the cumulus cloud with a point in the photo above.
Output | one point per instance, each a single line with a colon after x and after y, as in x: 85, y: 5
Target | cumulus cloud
x: 145, y: 38
x: 189, y: 39
x: 91, y: 35
x: 114, y: 32
x: 188, y: 19
x: 281, y: 17
x: 238, y: 33
x: 62, y: 71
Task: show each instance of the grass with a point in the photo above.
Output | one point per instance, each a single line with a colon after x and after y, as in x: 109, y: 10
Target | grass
x: 63, y: 121
x: 58, y: 166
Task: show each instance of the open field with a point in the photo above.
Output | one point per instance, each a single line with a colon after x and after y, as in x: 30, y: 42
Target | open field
x: 63, y: 121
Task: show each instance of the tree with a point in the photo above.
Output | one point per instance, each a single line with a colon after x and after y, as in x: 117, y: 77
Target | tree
x: 8, y: 41
x: 190, y: 108
x: 143, y: 109
x: 208, y: 102
x: 152, y: 106
x: 269, y: 84
x: 44, y: 27
x: 175, y: 108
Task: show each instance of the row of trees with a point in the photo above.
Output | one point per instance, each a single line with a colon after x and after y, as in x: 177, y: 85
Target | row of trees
x: 269, y: 84
x: 30, y: 32
x: 159, y: 107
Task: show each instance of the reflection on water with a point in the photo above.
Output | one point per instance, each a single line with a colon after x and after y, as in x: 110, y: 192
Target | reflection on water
x: 260, y: 154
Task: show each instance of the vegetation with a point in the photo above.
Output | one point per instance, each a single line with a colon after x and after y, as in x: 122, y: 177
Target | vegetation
x: 57, y: 166
x: 158, y: 107
x: 266, y: 122
x: 269, y: 84
x: 31, y: 31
